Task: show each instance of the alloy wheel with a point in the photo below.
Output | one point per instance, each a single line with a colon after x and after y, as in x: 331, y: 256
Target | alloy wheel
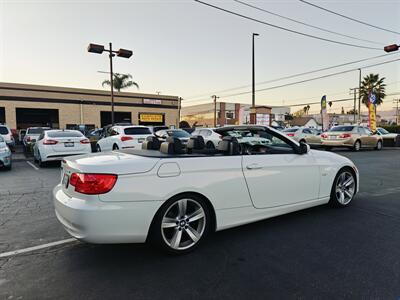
x: 183, y: 224
x: 345, y: 188
x: 357, y: 146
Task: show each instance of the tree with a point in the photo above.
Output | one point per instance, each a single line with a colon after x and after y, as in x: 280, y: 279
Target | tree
x: 351, y: 112
x: 184, y: 124
x: 121, y: 81
x: 306, y: 109
x: 372, y: 83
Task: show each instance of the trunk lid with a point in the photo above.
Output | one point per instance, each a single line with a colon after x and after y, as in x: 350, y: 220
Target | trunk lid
x: 68, y: 144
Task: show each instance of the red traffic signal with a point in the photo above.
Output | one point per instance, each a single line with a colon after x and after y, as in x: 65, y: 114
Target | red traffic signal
x: 124, y: 53
x: 391, y: 48
x: 94, y: 48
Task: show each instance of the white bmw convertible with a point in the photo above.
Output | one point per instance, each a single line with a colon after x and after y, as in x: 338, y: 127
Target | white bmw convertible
x: 175, y: 196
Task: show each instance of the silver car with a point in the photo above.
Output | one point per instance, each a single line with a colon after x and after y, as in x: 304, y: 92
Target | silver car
x: 5, y: 154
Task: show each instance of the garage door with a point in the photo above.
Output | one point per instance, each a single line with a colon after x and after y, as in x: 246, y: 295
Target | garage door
x: 33, y: 117
x: 2, y: 115
x: 119, y: 117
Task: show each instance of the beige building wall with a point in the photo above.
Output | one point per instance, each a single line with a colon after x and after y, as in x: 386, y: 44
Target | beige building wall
x: 12, y: 96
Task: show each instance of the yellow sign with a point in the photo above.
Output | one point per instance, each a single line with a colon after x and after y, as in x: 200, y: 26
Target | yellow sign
x: 372, y: 117
x: 158, y: 118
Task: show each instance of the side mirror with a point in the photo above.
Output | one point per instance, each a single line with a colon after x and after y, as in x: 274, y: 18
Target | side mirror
x: 304, y: 148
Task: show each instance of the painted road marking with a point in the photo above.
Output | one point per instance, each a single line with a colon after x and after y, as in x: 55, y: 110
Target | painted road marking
x: 34, y: 248
x: 32, y: 165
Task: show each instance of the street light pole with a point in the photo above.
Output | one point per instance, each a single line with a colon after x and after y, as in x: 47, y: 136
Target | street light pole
x: 359, y: 97
x: 215, y: 109
x: 99, y: 49
x: 111, y: 54
x: 253, y: 90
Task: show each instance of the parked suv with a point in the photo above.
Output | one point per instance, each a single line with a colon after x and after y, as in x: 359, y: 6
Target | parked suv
x: 6, y: 133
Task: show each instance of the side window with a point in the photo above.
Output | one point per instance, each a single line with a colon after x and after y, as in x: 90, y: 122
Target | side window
x: 205, y: 132
x: 360, y: 130
x: 263, y: 142
x: 307, y: 131
x: 41, y: 137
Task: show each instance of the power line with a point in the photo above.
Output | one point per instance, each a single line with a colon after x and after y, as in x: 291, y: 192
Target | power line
x: 292, y: 76
x: 305, y: 24
x: 349, y: 18
x: 310, y: 79
x: 286, y: 29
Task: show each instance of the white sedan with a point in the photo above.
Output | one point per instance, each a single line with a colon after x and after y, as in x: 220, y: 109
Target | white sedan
x: 211, y: 138
x: 123, y: 137
x: 54, y: 145
x: 176, y: 200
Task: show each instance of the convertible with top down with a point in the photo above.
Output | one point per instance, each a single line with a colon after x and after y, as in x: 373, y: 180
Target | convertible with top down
x: 175, y: 195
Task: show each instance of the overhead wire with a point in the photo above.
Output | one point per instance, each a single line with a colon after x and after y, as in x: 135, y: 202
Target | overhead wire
x: 306, y: 24
x: 287, y: 29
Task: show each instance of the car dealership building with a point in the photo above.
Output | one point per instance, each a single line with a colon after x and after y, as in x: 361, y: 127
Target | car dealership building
x: 23, y: 106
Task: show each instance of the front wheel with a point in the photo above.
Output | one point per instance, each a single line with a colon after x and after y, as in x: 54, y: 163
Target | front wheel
x: 357, y: 146
x: 378, y: 146
x: 343, y: 189
x: 181, y: 224
x: 115, y: 147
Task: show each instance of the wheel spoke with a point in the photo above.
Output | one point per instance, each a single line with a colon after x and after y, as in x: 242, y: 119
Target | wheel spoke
x: 349, y: 181
x: 342, y: 178
x: 350, y: 195
x: 169, y: 223
x: 341, y: 197
x: 176, y: 239
x: 197, y: 215
x: 182, y: 204
x: 193, y: 234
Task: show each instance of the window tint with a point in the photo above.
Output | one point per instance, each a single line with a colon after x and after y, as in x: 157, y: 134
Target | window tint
x: 178, y: 133
x: 137, y: 130
x: 383, y: 131
x: 3, y: 130
x: 342, y: 128
x: 308, y: 131
x: 205, y: 132
x: 35, y: 131
x: 64, y: 134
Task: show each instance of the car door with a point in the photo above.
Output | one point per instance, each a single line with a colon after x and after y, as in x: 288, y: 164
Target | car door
x: 281, y: 176
x: 370, y: 138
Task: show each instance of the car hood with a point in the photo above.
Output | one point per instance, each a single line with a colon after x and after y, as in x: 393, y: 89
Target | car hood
x: 114, y: 162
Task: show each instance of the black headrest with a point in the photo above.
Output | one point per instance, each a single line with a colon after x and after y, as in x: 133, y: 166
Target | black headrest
x: 172, y: 145
x: 151, y: 143
x: 229, y: 145
x: 196, y: 142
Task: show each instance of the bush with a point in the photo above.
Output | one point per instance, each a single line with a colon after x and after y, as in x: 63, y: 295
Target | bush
x: 392, y: 128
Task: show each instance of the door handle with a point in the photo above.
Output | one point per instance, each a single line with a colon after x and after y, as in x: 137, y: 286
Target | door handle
x: 253, y: 167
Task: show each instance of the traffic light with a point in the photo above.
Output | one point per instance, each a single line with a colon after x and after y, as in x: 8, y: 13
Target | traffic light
x: 391, y: 48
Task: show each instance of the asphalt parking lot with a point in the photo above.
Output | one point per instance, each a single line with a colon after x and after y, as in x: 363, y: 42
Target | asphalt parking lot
x: 318, y: 253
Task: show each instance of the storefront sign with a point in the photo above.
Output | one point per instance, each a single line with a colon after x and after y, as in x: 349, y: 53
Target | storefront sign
x: 151, y: 118
x: 151, y: 101
x: 263, y: 119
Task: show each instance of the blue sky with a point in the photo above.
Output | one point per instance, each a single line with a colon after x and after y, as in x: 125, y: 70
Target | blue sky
x: 184, y: 48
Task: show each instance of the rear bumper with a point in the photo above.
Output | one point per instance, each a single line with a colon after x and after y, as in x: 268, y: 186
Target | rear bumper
x: 337, y: 143
x: 98, y: 222
x: 56, y: 156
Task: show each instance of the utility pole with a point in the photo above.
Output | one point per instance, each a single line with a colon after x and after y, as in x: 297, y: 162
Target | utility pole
x: 253, y: 90
x: 397, y: 101
x: 354, y: 90
x: 179, y: 110
x: 215, y: 109
x: 359, y: 97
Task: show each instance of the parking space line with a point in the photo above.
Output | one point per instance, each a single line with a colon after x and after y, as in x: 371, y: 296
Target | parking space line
x: 32, y: 165
x: 34, y: 248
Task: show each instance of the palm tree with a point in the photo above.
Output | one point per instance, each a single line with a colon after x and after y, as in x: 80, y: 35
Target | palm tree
x: 121, y: 81
x: 372, y: 83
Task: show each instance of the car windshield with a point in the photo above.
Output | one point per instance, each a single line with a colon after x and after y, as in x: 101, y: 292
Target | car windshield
x: 178, y: 133
x: 3, y: 130
x: 383, y: 131
x: 35, y: 131
x: 342, y: 128
x: 62, y: 134
x: 137, y: 130
x: 291, y: 130
x: 256, y: 138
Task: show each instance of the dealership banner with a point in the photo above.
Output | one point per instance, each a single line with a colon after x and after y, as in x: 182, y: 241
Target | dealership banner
x: 324, y: 114
x: 372, y: 112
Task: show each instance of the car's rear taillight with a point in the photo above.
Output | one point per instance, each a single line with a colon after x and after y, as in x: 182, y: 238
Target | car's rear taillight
x: 49, y: 142
x: 28, y: 139
x: 324, y: 136
x: 92, y: 184
x: 290, y: 134
x: 85, y: 141
x: 126, y: 138
x: 345, y: 135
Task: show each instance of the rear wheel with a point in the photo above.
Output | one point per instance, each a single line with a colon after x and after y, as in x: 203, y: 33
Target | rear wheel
x: 40, y: 162
x: 343, y: 189
x: 210, y: 145
x: 181, y: 224
x: 357, y: 146
x: 378, y: 145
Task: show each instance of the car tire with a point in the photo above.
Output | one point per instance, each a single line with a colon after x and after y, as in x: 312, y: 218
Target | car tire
x: 172, y: 229
x: 210, y: 145
x: 357, y: 146
x: 115, y: 147
x: 41, y: 163
x: 303, y: 141
x: 343, y: 188
x: 378, y: 145
x: 98, y: 149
